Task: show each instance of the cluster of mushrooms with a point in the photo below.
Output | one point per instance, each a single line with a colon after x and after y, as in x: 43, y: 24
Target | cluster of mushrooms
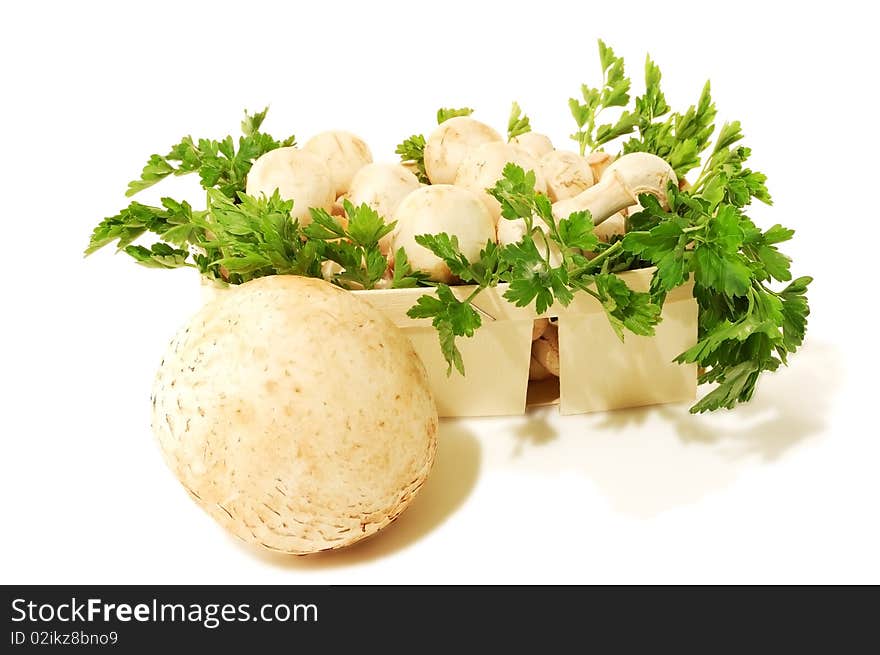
x: 462, y: 158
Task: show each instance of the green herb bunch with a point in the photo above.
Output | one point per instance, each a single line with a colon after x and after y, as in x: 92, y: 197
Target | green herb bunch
x: 238, y: 237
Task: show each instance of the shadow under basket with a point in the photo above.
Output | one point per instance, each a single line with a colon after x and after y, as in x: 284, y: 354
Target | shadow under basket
x: 597, y: 371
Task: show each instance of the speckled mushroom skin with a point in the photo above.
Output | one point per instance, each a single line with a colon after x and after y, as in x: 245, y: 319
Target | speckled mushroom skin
x: 295, y: 414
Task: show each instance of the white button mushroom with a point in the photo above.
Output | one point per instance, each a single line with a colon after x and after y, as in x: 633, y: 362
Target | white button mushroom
x: 441, y: 208
x: 298, y: 175
x: 620, y: 186
x: 566, y: 174
x: 344, y: 153
x: 295, y: 414
x: 537, y: 145
x: 537, y: 372
x: 483, y: 166
x: 338, y: 210
x: 599, y: 161
x: 545, y: 350
x: 382, y: 187
x: 450, y: 142
x: 538, y: 327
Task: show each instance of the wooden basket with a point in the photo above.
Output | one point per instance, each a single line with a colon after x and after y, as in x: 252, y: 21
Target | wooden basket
x: 597, y: 371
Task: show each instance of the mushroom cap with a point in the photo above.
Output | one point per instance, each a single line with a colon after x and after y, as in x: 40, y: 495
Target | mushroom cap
x: 536, y: 144
x: 641, y: 172
x: 441, y: 208
x: 537, y: 371
x: 449, y: 144
x: 484, y: 166
x: 344, y: 153
x: 382, y: 187
x: 539, y: 326
x: 545, y: 349
x: 295, y: 414
x: 599, y: 160
x: 298, y: 175
x: 566, y: 174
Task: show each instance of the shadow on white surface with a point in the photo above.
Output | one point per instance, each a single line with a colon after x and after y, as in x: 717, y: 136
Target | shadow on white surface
x: 452, y: 479
x: 649, y: 460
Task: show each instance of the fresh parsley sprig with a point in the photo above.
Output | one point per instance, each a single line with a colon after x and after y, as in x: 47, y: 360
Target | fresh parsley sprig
x: 219, y: 164
x: 678, y: 138
x: 614, y: 92
x: 412, y: 151
x: 517, y: 123
x: 253, y: 237
x: 353, y: 247
x: 449, y: 315
x: 746, y: 327
x: 171, y: 222
x: 445, y: 113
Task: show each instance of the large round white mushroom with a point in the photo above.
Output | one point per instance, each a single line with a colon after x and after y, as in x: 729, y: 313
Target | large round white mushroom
x: 450, y: 143
x: 344, y: 153
x: 382, y: 187
x: 298, y: 175
x: 484, y: 166
x: 265, y: 414
x: 441, y: 208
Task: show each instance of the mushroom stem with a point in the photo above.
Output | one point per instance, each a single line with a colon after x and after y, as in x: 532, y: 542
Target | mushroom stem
x: 620, y: 186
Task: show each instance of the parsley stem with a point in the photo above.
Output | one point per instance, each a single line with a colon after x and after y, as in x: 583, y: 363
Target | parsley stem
x: 605, y: 254
x: 473, y: 294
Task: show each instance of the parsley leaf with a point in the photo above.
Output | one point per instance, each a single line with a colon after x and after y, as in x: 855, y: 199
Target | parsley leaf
x: 665, y: 245
x: 446, y: 248
x: 452, y: 318
x: 365, y: 226
x: 159, y: 255
x: 745, y: 327
x: 412, y: 151
x: 404, y: 276
x: 355, y: 247
x: 255, y: 237
x: 515, y: 192
x: 679, y: 138
x: 517, y: 123
x: 171, y: 222
x: 445, y: 113
x: 614, y: 92
x: 218, y: 163
x: 795, y: 311
x: 626, y: 308
x: 576, y: 231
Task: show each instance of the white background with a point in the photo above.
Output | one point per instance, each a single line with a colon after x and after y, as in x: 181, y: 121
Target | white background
x: 783, y: 490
